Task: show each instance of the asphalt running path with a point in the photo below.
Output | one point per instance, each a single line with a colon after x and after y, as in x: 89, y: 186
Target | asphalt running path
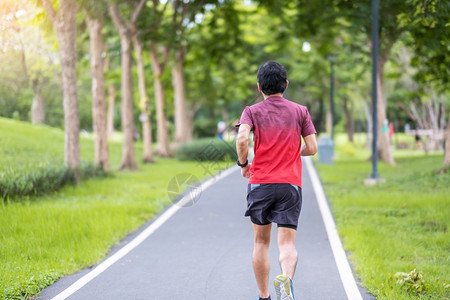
x: 204, y: 252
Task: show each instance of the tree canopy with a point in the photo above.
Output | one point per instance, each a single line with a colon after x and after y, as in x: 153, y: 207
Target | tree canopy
x: 216, y: 48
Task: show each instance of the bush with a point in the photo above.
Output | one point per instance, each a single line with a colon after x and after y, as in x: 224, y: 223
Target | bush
x: 39, y: 179
x: 207, y: 150
x: 205, y: 128
x: 412, y: 282
x: 348, y: 149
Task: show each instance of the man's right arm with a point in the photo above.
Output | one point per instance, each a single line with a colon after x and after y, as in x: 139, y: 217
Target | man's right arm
x: 242, y: 148
x: 310, y: 146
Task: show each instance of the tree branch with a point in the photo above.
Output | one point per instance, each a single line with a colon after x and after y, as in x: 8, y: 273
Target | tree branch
x: 166, y: 52
x: 185, y: 7
x: 138, y: 11
x: 196, y: 9
x: 176, y: 3
x: 51, y: 12
x: 137, y: 43
x: 154, y: 26
x: 407, y: 111
x: 184, y: 10
x: 116, y: 16
x: 155, y: 60
x: 416, y: 114
x: 164, y: 8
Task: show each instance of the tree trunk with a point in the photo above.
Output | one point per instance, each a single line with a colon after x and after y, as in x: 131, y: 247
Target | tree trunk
x: 436, y: 139
x: 144, y: 104
x: 128, y: 161
x: 147, y: 133
x: 368, y: 113
x: 190, y: 126
x: 38, y: 105
x: 162, y: 148
x: 162, y: 137
x: 66, y: 29
x: 446, y: 163
x: 348, y: 112
x: 191, y: 111
x: 384, y: 150
x: 98, y: 92
x: 65, y: 26
x: 181, y: 122
x: 317, y: 113
x: 111, y: 104
x: 38, y: 108
x: 111, y: 101
x: 441, y: 117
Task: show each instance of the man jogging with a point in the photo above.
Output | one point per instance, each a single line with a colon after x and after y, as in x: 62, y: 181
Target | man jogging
x: 274, y: 192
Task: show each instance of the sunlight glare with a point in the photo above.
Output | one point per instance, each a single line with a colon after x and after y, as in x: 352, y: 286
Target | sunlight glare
x: 306, y: 47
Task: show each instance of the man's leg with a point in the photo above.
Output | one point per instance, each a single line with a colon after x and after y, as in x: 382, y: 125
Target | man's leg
x: 288, y: 252
x: 261, y: 262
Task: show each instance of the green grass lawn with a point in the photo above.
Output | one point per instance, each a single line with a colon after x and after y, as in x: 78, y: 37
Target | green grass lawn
x: 397, y: 226
x: 32, y: 158
x: 44, y: 238
x: 23, y: 146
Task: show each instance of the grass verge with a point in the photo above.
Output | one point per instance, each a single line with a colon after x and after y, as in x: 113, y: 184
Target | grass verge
x: 396, y: 233
x: 32, y: 159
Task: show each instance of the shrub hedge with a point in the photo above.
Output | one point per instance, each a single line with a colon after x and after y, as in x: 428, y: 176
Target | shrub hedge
x: 204, y: 128
x: 208, y: 149
x: 39, y: 179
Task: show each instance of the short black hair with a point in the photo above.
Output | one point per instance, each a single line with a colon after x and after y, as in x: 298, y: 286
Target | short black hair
x: 272, y: 78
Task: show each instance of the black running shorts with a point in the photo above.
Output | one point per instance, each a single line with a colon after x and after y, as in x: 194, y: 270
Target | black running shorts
x: 274, y: 203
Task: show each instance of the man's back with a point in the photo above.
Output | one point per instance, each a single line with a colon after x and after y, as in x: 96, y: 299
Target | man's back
x: 278, y: 125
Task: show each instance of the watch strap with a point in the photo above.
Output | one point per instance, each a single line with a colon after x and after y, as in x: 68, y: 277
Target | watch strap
x: 242, y: 165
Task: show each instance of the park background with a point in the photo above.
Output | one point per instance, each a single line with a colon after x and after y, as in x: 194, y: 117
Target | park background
x: 103, y: 102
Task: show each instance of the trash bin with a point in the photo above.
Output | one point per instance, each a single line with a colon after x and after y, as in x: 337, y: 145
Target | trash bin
x: 325, y: 147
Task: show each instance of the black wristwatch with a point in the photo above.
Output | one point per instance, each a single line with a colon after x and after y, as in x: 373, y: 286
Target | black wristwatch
x: 242, y: 165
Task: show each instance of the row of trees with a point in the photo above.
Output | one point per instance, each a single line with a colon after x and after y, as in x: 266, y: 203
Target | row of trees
x: 204, y: 54
x: 130, y: 32
x: 420, y: 25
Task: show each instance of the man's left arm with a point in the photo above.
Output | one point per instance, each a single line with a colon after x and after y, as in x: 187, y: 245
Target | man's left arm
x: 310, y: 146
x: 242, y: 148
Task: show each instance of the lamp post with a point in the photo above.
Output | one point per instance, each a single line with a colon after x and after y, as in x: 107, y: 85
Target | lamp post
x: 374, y: 175
x: 331, y: 59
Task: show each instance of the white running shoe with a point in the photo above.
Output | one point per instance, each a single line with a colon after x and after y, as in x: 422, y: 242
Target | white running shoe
x: 283, y: 287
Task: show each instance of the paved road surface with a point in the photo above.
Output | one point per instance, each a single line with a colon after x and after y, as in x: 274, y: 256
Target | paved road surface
x: 204, y: 252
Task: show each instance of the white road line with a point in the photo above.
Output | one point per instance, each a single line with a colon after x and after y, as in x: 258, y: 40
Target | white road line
x: 345, y: 272
x: 136, y: 241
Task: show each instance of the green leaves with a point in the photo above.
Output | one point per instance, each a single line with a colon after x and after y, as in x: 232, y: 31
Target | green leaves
x: 411, y: 282
x: 426, y: 23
